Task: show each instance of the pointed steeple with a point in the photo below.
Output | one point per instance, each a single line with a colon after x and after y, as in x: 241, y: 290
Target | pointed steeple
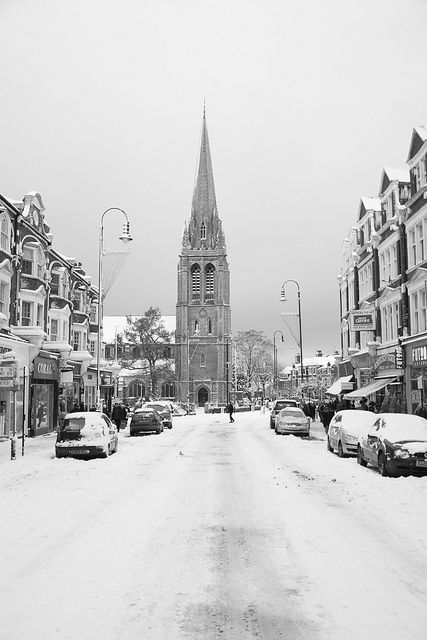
x: 204, y: 201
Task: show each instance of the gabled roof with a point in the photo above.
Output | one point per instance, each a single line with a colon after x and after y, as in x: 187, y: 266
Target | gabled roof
x: 419, y: 136
x: 393, y: 175
x: 368, y: 204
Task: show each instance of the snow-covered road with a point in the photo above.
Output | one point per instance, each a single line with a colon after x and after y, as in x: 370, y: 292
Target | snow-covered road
x: 209, y: 531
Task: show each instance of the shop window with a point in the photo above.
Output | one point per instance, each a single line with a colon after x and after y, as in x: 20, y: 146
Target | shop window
x: 26, y: 313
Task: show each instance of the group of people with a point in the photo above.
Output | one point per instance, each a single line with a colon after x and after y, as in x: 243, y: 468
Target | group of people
x: 119, y: 414
x: 327, y: 410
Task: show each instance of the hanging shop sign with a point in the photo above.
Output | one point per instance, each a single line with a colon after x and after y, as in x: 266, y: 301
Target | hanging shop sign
x: 362, y: 320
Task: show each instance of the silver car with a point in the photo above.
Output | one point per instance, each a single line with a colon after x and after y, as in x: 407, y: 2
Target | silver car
x: 345, y: 429
x: 292, y: 420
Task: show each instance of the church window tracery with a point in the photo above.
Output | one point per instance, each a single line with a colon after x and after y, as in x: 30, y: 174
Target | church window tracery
x: 203, y: 231
x: 209, y: 282
x: 195, y: 282
x: 209, y: 326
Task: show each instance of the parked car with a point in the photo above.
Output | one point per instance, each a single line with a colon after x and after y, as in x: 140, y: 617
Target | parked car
x: 145, y: 420
x: 86, y: 434
x: 292, y: 420
x: 396, y: 444
x: 163, y: 409
x: 278, y: 406
x: 345, y: 429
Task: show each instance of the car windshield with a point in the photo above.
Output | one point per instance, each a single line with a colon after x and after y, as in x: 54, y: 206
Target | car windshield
x: 294, y: 413
x: 402, y: 427
x: 281, y: 404
x: 81, y: 427
x: 157, y: 407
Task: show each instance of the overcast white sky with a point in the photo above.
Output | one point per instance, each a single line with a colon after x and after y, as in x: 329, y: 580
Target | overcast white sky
x: 306, y: 102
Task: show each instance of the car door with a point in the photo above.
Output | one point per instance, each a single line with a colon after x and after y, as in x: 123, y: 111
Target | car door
x: 334, y: 428
x: 370, y: 449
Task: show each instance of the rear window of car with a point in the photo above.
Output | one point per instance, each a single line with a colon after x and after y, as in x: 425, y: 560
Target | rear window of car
x: 142, y: 415
x: 282, y: 404
x: 80, y: 427
x: 158, y: 407
x: 295, y: 413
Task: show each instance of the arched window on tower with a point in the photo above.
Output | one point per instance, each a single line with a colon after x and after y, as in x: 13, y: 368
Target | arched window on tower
x: 203, y: 231
x: 209, y: 282
x: 196, y: 326
x: 195, y: 282
x: 202, y: 359
x: 209, y: 326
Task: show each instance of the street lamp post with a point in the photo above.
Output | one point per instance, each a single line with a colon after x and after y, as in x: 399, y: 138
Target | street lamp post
x: 275, y: 359
x: 125, y: 238
x: 283, y: 299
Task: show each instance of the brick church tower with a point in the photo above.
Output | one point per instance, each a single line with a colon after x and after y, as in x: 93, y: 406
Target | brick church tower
x: 203, y: 315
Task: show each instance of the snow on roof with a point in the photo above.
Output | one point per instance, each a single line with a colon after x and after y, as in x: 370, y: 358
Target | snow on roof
x: 371, y: 203
x: 316, y: 361
x: 113, y: 324
x: 401, y: 175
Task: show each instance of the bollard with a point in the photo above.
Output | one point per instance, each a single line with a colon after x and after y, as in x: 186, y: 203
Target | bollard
x: 13, y: 448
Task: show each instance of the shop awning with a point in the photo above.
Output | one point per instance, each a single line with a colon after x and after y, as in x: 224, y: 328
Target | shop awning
x: 369, y: 389
x: 337, y: 388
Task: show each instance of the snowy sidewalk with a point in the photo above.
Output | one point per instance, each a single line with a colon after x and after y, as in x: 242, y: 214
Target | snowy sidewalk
x: 40, y: 447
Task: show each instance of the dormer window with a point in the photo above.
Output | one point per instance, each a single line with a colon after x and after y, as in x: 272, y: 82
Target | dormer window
x: 203, y: 231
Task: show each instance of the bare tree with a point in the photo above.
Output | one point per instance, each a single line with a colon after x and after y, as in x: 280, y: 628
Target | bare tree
x: 150, y: 334
x: 254, y: 353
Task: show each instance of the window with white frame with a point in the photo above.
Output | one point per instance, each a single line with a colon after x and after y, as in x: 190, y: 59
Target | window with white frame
x: 93, y: 310
x: 388, y: 264
x: 40, y: 310
x: 416, y: 251
x: 26, y: 313
x: 4, y: 234
x: 54, y: 330
x: 420, y: 174
x: 59, y: 282
x: 77, y: 341
x: 65, y: 333
x: 4, y: 298
x: 351, y: 294
x: 92, y: 347
x: 33, y: 260
x: 365, y: 281
x: 390, y: 321
x: 419, y: 311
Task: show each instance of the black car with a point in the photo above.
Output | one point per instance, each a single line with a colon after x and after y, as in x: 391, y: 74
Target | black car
x: 396, y: 444
x: 145, y: 421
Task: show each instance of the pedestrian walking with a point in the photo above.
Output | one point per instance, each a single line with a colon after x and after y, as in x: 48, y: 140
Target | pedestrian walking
x: 230, y: 411
x: 363, y: 404
x: 117, y: 415
x: 326, y: 416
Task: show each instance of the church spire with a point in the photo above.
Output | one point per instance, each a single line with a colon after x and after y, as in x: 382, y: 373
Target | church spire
x: 204, y: 201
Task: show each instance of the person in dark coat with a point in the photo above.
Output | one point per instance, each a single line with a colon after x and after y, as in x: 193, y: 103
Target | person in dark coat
x: 326, y: 414
x: 363, y: 404
x: 117, y: 415
x: 230, y: 411
x: 421, y: 410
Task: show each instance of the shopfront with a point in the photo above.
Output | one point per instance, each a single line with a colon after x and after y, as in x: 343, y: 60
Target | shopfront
x: 44, y: 395
x: 416, y: 382
x: 380, y: 380
x: 11, y: 399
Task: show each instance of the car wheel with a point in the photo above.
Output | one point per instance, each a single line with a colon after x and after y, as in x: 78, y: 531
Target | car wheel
x: 328, y: 445
x: 360, y: 459
x: 341, y: 453
x: 382, y: 465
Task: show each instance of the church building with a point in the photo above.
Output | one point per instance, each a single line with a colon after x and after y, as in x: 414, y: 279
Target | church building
x: 203, y: 315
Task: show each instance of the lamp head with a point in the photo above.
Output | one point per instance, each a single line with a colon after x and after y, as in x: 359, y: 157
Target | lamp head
x: 282, y: 296
x: 126, y: 237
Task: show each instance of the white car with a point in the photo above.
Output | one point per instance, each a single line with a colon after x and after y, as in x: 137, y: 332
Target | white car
x: 86, y: 434
x: 345, y: 429
x: 292, y: 420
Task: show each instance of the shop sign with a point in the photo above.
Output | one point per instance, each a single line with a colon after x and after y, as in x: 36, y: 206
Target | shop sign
x: 347, y: 386
x: 419, y: 355
x: 362, y: 320
x: 45, y: 369
x: 8, y: 370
